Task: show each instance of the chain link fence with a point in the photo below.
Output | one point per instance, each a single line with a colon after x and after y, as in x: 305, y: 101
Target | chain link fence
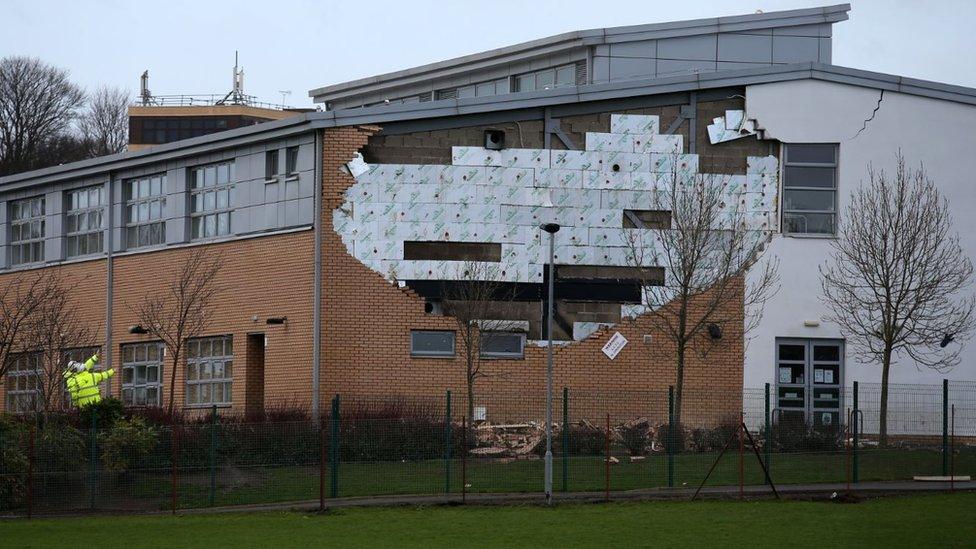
x: 388, y: 446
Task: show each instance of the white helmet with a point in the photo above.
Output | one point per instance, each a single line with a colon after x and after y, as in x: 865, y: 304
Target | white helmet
x: 75, y: 366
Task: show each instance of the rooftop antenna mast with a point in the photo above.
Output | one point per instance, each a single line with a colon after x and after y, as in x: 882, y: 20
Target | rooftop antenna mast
x: 144, y: 93
x: 236, y: 95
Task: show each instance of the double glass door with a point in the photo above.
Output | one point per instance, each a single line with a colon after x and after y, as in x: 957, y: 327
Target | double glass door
x: 809, y: 381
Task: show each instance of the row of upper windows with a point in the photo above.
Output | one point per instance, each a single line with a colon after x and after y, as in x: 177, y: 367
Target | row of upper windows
x: 572, y: 74
x: 144, y: 200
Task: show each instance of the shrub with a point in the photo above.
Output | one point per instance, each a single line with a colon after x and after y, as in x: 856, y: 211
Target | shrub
x: 13, y: 470
x: 672, y: 439
x: 714, y: 439
x: 60, y: 447
x: 798, y: 436
x: 635, y: 438
x: 106, y: 412
x: 584, y: 440
x: 127, y: 445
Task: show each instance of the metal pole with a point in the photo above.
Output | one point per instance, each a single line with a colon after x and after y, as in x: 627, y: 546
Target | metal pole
x: 334, y: 450
x: 742, y: 471
x: 447, y: 445
x: 321, y: 464
x: 30, y: 473
x: 464, y: 459
x: 768, y: 445
x: 550, y: 228
x: 93, y: 459
x: 213, y: 454
x: 175, y: 440
x: 856, y: 438
x: 606, y: 473
x: 565, y: 439
x: 669, y: 441
x: 945, y: 427
x: 952, y: 453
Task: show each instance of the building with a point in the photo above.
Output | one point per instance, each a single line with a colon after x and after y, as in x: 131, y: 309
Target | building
x: 347, y: 261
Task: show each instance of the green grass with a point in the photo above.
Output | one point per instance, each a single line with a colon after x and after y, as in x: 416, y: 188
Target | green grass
x: 943, y: 520
x: 269, y: 484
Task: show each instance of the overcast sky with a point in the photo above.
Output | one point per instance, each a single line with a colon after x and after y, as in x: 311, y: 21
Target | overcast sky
x: 188, y: 46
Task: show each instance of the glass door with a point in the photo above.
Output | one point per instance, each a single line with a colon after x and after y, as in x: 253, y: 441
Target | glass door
x: 809, y: 377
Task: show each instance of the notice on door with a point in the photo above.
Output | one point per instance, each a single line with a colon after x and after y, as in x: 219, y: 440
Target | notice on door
x: 614, y: 345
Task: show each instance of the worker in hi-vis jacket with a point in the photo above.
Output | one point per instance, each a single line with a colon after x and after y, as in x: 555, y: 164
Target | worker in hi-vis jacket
x: 83, y: 382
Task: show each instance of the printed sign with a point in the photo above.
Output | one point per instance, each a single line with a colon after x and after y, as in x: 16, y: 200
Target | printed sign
x: 614, y: 345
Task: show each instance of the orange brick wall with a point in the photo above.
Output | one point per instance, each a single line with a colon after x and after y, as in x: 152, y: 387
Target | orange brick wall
x: 366, y: 342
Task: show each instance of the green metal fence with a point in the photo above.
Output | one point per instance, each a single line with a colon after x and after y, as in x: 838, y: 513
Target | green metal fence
x: 387, y: 446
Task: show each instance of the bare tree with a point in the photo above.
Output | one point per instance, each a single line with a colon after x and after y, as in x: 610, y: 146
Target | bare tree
x: 705, y: 239
x: 181, y: 310
x: 37, y: 103
x: 478, y: 301
x: 20, y: 300
x: 897, y: 277
x: 105, y: 122
x: 56, y: 330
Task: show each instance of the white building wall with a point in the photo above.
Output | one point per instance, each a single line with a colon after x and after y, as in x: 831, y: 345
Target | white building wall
x: 941, y: 134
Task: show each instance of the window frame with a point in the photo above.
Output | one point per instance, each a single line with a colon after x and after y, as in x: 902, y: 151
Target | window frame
x: 291, y: 161
x: 31, y: 243
x: 14, y: 397
x: 414, y: 353
x: 219, y: 188
x: 784, y: 213
x: 194, y: 361
x: 131, y: 386
x: 501, y: 355
x: 271, y: 165
x: 76, y: 234
x: 132, y: 205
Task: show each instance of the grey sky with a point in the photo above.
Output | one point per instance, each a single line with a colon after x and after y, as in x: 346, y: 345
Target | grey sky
x: 188, y: 47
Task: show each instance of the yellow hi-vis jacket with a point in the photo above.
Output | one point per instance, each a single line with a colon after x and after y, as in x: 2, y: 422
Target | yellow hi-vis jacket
x: 83, y: 386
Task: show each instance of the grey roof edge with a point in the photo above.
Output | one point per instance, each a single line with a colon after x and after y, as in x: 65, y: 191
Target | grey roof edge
x: 459, y: 107
x: 485, y: 59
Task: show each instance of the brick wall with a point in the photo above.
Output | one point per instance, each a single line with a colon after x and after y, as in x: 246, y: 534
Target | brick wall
x: 367, y: 323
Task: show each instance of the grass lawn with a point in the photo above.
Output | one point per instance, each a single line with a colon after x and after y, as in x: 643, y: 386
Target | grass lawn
x: 943, y: 520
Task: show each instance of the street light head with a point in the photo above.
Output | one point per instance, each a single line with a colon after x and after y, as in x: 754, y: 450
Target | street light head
x: 551, y: 228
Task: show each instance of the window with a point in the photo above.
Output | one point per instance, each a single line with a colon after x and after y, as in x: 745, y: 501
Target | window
x: 210, y: 190
x: 209, y: 371
x: 431, y: 344
x: 142, y: 374
x: 27, y: 231
x: 484, y: 89
x: 291, y: 161
x: 145, y: 204
x: 809, y: 378
x: 270, y: 164
x: 810, y: 189
x: 647, y: 219
x: 23, y: 377
x: 452, y: 251
x: 84, y: 222
x: 555, y: 77
x: 502, y: 345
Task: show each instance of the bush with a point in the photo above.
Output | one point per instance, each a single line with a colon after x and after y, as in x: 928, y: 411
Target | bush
x: 13, y: 469
x: 714, y: 439
x: 584, y: 440
x: 127, y: 445
x: 635, y: 438
x: 798, y: 436
x: 60, y: 447
x: 106, y: 412
x: 671, y: 439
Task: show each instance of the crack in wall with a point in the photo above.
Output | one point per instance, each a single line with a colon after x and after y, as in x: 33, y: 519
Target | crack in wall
x: 873, y: 114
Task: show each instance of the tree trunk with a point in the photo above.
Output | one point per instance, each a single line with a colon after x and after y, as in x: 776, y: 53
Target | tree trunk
x: 883, y: 411
x: 470, y: 379
x: 679, y: 385
x: 172, y: 382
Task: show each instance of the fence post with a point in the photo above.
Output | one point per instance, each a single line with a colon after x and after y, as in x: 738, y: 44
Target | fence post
x: 565, y: 448
x: 93, y: 459
x: 30, y: 473
x: 334, y: 450
x: 670, y: 439
x: 768, y: 444
x: 607, y: 467
x: 213, y: 455
x: 464, y: 459
x: 945, y: 427
x: 174, y: 443
x: 447, y: 445
x: 855, y: 429
x: 321, y: 463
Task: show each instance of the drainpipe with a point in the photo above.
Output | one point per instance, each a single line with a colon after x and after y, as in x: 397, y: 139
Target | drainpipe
x: 109, y: 270
x: 317, y: 279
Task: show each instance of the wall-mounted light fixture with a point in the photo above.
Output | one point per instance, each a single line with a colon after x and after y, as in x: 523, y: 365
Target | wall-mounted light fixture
x: 276, y: 320
x: 494, y: 140
x: 137, y: 329
x: 714, y: 331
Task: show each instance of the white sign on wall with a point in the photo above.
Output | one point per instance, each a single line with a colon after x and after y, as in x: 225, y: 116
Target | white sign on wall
x: 614, y: 345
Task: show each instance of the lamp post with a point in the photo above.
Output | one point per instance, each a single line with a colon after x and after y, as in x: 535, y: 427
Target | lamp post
x: 552, y: 229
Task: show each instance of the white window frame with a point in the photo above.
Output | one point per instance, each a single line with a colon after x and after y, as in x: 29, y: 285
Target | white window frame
x: 134, y: 357
x: 210, y: 199
x: 414, y: 352
x: 33, y: 244
x: 135, y: 202
x: 22, y: 382
x: 494, y: 355
x: 197, y: 363
x: 786, y: 189
x: 75, y: 212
